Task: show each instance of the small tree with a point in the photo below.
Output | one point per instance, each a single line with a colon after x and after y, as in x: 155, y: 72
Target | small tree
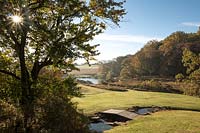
x: 192, y: 63
x: 38, y: 33
x: 179, y: 77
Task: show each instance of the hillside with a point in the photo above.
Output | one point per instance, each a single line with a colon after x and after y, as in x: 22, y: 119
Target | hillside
x: 86, y: 70
x: 156, y: 58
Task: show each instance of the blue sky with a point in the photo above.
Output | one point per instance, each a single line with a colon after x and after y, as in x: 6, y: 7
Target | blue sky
x: 147, y: 20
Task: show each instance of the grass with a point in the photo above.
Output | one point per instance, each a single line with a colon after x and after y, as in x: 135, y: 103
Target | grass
x: 162, y: 122
x: 95, y: 100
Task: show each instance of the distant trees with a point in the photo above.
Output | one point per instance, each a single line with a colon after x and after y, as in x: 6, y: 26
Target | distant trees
x: 111, y: 70
x: 127, y: 70
x: 157, y: 58
x: 192, y: 77
x: 191, y: 61
x: 147, y: 61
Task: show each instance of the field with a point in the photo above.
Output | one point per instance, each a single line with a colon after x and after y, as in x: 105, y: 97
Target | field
x: 86, y: 70
x: 163, y: 122
x: 95, y: 100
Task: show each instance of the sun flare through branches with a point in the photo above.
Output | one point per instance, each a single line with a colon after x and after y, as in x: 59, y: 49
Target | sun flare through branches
x: 17, y: 19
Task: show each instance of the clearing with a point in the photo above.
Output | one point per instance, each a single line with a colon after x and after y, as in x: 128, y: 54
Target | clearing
x: 96, y: 100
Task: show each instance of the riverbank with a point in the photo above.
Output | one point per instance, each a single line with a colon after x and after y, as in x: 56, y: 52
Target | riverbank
x: 106, y: 120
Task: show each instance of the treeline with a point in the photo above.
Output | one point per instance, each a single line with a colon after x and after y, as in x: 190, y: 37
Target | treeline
x: 156, y: 58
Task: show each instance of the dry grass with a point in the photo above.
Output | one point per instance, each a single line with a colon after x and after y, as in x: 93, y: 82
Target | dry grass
x: 86, y: 70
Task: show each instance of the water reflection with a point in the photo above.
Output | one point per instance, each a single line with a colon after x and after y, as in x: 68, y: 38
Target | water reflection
x: 90, y: 79
x: 99, y: 127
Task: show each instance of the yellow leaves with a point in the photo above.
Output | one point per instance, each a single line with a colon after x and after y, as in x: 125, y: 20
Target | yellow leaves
x: 190, y: 60
x: 93, y: 3
x: 87, y: 18
x: 100, y: 11
x: 4, y: 57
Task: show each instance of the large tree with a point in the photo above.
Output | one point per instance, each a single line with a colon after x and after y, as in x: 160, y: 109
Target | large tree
x: 38, y: 33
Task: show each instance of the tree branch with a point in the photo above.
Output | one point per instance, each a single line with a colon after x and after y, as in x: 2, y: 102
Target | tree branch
x: 38, y: 66
x: 10, y: 73
x: 14, y: 38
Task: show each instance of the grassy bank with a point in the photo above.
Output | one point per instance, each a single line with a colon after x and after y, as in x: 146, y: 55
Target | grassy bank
x: 162, y: 122
x: 95, y: 100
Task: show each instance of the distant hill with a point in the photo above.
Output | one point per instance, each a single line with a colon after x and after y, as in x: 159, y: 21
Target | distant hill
x: 86, y: 70
x: 156, y: 58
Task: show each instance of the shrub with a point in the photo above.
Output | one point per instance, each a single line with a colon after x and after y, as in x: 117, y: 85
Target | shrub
x: 179, y: 77
x: 59, y: 115
x: 191, y: 89
x: 55, y: 112
x: 151, y: 85
x: 10, y: 117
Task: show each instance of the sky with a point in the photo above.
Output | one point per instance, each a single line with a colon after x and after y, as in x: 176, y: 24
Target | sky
x: 146, y: 20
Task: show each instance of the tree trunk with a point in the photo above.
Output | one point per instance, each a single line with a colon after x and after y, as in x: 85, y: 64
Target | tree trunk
x: 27, y: 92
x: 27, y: 99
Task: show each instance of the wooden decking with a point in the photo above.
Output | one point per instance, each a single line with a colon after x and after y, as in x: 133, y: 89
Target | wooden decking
x: 119, y: 115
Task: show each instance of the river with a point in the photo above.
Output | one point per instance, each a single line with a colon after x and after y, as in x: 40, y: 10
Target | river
x: 90, y: 79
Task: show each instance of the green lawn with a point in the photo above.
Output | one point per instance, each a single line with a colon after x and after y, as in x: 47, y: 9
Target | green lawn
x: 96, y: 100
x: 162, y: 122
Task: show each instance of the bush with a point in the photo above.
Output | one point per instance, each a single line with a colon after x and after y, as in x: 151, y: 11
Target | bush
x: 10, y: 117
x: 9, y: 88
x: 59, y: 115
x: 53, y: 110
x: 190, y: 88
x: 151, y: 85
x: 55, y: 113
x: 179, y: 77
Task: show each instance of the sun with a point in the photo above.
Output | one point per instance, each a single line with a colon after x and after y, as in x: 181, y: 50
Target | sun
x: 17, y: 19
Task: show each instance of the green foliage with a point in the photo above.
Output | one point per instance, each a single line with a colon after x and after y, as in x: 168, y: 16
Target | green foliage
x: 159, y: 58
x: 67, y: 86
x: 110, y: 71
x: 59, y: 115
x: 58, y: 32
x: 147, y: 61
x: 191, y: 61
x: 54, y: 110
x: 127, y: 70
x: 51, y: 33
x: 9, y: 88
x: 10, y: 117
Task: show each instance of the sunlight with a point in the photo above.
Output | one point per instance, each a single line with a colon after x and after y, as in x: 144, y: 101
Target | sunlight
x: 17, y: 19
